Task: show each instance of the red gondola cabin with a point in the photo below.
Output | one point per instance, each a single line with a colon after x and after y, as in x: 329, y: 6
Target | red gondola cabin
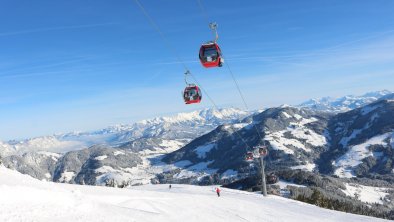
x: 210, y: 55
x: 192, y: 94
x: 271, y: 178
x: 263, y: 151
x: 249, y: 156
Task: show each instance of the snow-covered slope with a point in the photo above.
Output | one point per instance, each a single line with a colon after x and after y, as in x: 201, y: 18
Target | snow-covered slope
x: 356, y: 154
x: 296, y: 137
x: 367, y: 194
x: 345, y: 103
x: 354, y: 143
x: 362, y: 141
x: 26, y: 199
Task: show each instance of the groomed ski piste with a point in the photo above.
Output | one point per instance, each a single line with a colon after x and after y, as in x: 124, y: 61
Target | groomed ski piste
x: 23, y: 198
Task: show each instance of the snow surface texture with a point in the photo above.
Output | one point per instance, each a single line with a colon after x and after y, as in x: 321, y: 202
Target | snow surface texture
x: 26, y: 199
x: 354, y: 156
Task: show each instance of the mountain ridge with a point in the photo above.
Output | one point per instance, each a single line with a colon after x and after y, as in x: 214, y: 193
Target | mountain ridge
x: 345, y: 103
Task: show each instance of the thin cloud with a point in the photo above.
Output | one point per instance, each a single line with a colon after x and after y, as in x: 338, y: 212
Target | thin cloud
x: 28, y: 31
x: 49, y: 65
x: 374, y: 36
x: 35, y: 74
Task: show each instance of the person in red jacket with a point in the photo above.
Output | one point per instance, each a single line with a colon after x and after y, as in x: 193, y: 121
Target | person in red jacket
x: 218, y: 191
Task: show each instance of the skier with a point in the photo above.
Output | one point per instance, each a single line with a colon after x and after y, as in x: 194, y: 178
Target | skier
x: 169, y: 187
x: 217, y: 191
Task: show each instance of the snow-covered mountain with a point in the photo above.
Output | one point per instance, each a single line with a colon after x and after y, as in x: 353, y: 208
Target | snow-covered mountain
x: 182, y: 127
x: 206, y: 147
x: 73, y: 157
x: 354, y: 143
x: 362, y: 141
x: 26, y: 199
x: 299, y: 138
x: 178, y: 129
x: 213, y: 143
x: 296, y: 137
x: 345, y: 103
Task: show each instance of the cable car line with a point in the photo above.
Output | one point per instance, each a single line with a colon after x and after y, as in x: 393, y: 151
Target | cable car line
x: 205, y: 15
x: 157, y: 29
x: 213, y: 27
x: 203, y: 11
x: 260, y: 151
x: 168, y: 45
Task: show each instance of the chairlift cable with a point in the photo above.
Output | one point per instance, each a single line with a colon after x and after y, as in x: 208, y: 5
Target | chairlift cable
x: 205, y: 15
x: 168, y: 45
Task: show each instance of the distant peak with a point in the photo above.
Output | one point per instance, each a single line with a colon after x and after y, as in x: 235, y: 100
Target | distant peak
x: 285, y: 106
x: 345, y: 103
x: 377, y: 93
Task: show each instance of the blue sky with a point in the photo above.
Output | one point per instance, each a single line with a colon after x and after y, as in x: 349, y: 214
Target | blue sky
x: 83, y: 65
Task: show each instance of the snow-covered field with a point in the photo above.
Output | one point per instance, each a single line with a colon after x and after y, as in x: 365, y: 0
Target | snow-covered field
x: 366, y: 194
x: 23, y: 198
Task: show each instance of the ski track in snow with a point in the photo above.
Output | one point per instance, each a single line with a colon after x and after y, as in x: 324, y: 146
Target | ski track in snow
x: 26, y: 199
